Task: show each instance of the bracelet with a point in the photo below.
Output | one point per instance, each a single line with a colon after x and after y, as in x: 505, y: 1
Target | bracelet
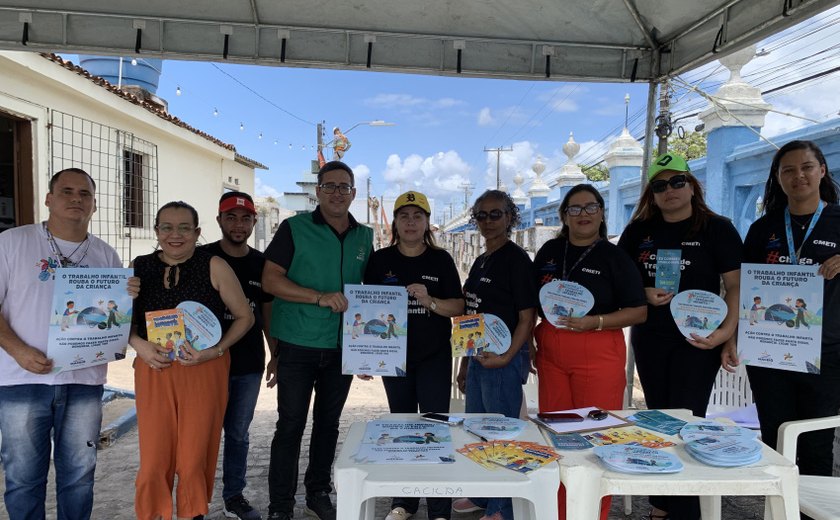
x: 221, y: 352
x: 600, y: 322
x: 318, y: 299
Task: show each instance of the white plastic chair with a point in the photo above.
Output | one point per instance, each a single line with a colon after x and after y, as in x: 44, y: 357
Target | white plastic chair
x: 819, y: 497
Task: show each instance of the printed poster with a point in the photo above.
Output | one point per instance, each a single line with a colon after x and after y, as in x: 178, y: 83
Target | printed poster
x: 406, y: 442
x: 374, y: 341
x: 90, y: 319
x: 780, y: 321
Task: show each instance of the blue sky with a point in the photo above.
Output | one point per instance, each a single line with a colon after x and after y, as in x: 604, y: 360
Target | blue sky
x: 442, y: 124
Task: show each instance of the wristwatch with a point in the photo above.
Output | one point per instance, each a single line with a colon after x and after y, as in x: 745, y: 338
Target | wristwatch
x: 433, y: 306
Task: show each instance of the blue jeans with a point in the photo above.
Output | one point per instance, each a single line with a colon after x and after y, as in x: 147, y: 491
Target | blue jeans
x: 299, y: 372
x: 243, y: 391
x: 31, y: 416
x: 496, y: 390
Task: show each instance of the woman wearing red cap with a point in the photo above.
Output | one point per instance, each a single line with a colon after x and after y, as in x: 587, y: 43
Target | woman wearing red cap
x: 675, y: 371
x: 429, y: 275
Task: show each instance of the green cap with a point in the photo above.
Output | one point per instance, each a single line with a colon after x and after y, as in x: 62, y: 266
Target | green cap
x: 667, y: 162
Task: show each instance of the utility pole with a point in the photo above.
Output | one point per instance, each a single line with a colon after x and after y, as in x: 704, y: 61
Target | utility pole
x: 367, y: 199
x: 467, y: 187
x: 663, y: 121
x: 498, y: 152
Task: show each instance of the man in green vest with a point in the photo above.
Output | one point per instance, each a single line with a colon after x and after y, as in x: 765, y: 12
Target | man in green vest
x: 309, y: 260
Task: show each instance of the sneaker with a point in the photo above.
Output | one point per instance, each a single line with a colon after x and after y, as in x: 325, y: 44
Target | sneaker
x: 398, y: 513
x: 279, y: 515
x: 238, y: 507
x: 464, y: 505
x: 320, y: 506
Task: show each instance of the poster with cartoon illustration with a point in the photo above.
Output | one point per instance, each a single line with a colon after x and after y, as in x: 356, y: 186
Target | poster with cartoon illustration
x: 90, y: 318
x: 565, y: 299
x: 474, y: 334
x: 698, y: 312
x: 780, y: 317
x: 406, y: 442
x: 374, y: 339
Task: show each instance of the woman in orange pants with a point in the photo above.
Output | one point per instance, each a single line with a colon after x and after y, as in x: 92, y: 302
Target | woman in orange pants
x: 580, y: 360
x: 181, y: 404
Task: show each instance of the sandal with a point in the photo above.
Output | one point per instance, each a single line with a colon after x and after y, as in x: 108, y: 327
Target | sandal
x: 664, y: 516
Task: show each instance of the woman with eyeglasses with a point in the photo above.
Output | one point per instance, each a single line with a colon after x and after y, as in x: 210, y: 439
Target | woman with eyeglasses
x: 500, y: 282
x: 581, y: 361
x: 428, y: 273
x: 801, y: 226
x: 181, y: 402
x: 672, y: 220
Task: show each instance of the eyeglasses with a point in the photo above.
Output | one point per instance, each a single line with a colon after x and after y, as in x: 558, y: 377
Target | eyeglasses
x: 493, y: 215
x: 168, y: 229
x: 590, y: 209
x: 676, y: 182
x: 330, y: 187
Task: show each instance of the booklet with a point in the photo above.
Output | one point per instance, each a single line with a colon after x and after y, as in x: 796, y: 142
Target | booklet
x: 476, y: 333
x: 668, y: 269
x: 630, y: 435
x: 495, y: 427
x: 522, y: 457
x: 657, y: 421
x: 166, y: 329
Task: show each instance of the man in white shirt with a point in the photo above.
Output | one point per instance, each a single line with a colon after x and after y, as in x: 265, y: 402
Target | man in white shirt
x: 38, y: 407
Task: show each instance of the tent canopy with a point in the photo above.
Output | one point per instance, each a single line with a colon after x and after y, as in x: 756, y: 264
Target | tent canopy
x: 597, y: 40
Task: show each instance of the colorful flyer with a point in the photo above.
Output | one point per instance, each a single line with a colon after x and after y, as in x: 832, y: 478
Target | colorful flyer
x: 476, y: 333
x: 166, y: 329
x: 668, y: 266
x: 374, y: 339
x: 698, y: 312
x: 90, y: 318
x: 406, y: 442
x: 203, y: 329
x: 565, y: 299
x: 781, y: 315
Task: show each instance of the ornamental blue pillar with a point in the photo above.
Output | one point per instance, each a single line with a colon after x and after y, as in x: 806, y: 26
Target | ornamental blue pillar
x: 624, y: 161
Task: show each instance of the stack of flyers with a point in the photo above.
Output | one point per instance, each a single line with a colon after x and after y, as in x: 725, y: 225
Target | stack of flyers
x: 699, y: 429
x: 630, y: 435
x: 568, y: 441
x: 724, y: 451
x: 522, y: 457
x: 638, y: 459
x: 492, y: 428
x: 657, y: 421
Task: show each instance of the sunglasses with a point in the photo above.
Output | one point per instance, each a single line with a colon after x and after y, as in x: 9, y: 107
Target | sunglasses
x: 493, y: 215
x: 676, y: 182
x: 597, y: 415
x: 590, y: 209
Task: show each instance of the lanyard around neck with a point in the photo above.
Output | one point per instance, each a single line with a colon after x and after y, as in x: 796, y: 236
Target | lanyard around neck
x: 579, y: 260
x: 794, y: 254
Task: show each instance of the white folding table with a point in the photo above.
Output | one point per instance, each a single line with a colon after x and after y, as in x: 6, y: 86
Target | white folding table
x: 357, y: 485
x: 587, y: 480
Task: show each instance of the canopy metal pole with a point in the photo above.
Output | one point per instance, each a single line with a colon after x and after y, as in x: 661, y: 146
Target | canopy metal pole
x: 650, y: 120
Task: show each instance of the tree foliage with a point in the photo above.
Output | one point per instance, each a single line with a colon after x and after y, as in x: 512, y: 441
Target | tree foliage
x: 598, y: 172
x: 692, y: 146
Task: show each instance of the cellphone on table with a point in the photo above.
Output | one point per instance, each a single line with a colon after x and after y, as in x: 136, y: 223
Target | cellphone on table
x: 441, y: 418
x: 560, y: 417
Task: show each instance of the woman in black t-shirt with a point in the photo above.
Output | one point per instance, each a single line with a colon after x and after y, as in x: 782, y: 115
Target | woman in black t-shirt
x: 675, y: 371
x: 581, y: 361
x: 801, y: 191
x: 500, y: 282
x: 429, y: 275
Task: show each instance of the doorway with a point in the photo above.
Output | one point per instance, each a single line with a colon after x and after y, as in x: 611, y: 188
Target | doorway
x: 16, y: 186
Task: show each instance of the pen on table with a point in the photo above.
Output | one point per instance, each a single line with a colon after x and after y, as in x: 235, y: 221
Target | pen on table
x: 477, y: 435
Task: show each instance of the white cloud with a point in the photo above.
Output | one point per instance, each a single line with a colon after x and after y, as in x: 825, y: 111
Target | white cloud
x: 408, y: 101
x: 485, y: 118
x: 361, y: 172
x: 438, y: 175
x: 261, y: 189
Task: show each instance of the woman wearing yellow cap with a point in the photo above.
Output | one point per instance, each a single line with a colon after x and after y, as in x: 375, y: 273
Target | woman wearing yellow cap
x: 428, y: 272
x: 672, y: 220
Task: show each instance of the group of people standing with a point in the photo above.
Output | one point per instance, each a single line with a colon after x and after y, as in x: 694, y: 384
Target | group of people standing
x: 293, y: 298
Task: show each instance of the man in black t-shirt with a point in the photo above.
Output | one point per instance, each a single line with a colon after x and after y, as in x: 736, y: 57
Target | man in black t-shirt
x: 236, y: 219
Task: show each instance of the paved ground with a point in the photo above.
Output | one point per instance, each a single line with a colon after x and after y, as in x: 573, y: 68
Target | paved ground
x: 118, y: 464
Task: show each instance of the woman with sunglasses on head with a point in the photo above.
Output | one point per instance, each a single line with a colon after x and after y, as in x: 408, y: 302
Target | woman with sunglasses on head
x: 581, y: 361
x: 181, y: 403
x: 675, y: 371
x: 801, y: 226
x: 500, y: 282
x: 429, y: 275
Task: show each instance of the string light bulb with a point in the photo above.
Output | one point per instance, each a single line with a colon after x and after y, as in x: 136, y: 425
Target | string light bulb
x: 259, y: 136
x: 215, y: 112
x: 134, y: 61
x: 178, y: 90
x: 241, y: 127
x: 290, y: 146
x: 275, y: 142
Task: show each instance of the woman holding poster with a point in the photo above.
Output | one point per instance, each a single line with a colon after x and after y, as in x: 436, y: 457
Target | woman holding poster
x: 677, y: 244
x: 500, y: 282
x: 429, y: 275
x: 801, y: 226
x: 581, y: 360
x: 181, y: 404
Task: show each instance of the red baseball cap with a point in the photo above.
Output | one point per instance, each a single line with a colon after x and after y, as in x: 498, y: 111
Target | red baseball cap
x: 237, y: 202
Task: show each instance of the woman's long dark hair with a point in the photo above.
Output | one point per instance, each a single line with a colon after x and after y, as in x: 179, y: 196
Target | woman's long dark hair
x: 510, y: 207
x: 775, y: 199
x: 700, y: 212
x: 602, y: 229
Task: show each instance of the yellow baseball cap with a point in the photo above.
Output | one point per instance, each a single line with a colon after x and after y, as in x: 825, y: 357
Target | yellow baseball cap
x: 413, y: 198
x: 667, y: 162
